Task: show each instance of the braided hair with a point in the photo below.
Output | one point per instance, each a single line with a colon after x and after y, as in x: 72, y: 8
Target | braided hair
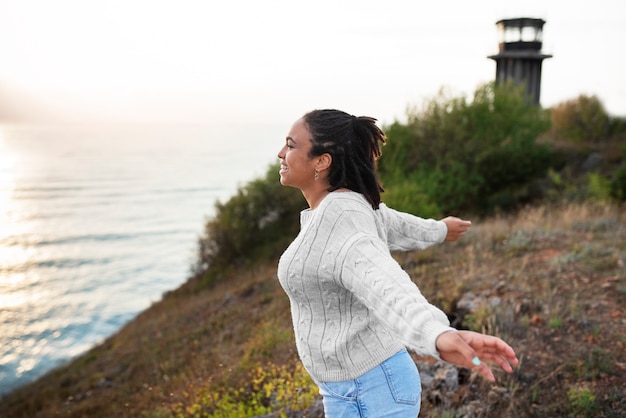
x: 354, y: 143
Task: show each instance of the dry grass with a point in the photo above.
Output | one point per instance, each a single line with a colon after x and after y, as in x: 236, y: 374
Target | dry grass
x: 557, y: 275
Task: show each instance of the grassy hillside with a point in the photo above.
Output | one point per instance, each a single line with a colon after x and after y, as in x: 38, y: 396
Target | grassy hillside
x: 551, y: 281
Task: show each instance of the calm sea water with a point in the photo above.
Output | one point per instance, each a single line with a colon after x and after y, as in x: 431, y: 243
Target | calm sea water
x: 97, y: 223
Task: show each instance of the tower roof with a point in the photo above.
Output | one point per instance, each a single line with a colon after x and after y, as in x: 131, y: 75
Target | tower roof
x: 522, y: 22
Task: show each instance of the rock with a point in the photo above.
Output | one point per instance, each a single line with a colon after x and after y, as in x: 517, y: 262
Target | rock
x: 440, y: 383
x: 471, y: 302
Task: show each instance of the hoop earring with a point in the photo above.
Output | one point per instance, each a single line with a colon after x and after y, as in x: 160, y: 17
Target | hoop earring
x: 317, y: 175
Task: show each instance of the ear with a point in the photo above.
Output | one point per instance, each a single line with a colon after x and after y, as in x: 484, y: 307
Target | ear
x: 324, y: 162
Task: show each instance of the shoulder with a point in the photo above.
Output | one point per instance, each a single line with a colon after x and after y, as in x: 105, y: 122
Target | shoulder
x: 342, y: 202
x: 350, y: 209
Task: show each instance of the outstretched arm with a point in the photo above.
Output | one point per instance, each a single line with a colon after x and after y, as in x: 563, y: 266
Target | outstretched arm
x: 468, y: 348
x: 456, y: 227
x: 406, y: 232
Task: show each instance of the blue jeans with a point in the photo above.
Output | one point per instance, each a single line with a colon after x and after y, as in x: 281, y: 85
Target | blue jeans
x: 392, y: 389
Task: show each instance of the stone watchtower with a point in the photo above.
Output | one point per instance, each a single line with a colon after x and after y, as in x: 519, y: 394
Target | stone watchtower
x: 520, y: 57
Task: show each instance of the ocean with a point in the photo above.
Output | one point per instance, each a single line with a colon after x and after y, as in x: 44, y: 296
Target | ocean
x: 96, y: 223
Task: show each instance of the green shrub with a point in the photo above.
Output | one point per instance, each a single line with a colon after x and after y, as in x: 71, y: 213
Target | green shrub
x: 462, y: 153
x: 598, y: 188
x: 409, y: 196
x: 618, y: 185
x: 582, y: 119
x: 273, y: 389
x: 582, y: 402
x: 398, y: 158
x: 258, y: 222
x: 509, y: 169
x: 617, y: 126
x: 453, y: 187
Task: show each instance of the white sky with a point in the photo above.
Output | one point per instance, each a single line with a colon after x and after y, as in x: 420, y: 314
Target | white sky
x: 249, y: 60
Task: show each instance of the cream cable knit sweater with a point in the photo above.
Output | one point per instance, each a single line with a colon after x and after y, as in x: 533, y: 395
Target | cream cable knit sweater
x: 352, y: 305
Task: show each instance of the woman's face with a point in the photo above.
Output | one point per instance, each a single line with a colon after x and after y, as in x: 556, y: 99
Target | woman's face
x: 296, y: 168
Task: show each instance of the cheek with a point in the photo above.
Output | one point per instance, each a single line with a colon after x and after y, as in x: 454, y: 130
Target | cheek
x: 291, y: 158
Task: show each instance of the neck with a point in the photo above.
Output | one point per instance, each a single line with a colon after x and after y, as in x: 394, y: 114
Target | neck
x: 315, y: 196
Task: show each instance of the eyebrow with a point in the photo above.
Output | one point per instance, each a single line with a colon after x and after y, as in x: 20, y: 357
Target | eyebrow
x: 291, y: 139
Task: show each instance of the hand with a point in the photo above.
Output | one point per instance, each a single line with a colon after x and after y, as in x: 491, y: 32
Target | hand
x: 470, y: 349
x: 456, y: 227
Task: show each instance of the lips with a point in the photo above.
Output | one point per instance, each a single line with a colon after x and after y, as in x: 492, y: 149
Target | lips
x: 283, y: 169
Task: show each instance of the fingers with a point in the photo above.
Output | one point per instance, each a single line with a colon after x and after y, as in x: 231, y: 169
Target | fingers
x: 456, y: 227
x: 501, y: 354
x: 492, y: 348
x: 471, y: 349
x: 458, y: 222
x: 505, y: 363
x: 484, y: 370
x: 497, y: 350
x: 455, y: 350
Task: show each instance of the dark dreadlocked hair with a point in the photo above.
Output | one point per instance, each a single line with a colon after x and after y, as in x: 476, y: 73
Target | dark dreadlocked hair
x: 354, y: 144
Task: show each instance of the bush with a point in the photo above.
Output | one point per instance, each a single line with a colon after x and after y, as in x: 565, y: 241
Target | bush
x: 509, y: 168
x: 258, y: 222
x: 583, y: 402
x: 618, y: 185
x: 409, y: 196
x: 466, y: 156
x: 271, y: 390
x: 598, y: 188
x: 581, y: 120
x: 617, y: 126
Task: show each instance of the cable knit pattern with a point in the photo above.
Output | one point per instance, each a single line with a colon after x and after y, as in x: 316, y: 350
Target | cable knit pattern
x: 352, y: 305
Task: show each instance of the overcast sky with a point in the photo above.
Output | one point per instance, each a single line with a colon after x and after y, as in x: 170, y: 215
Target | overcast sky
x: 236, y: 61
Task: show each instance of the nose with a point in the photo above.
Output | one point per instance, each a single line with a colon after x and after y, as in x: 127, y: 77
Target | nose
x: 281, y: 153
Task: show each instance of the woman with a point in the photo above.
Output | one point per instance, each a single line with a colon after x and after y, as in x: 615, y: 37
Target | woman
x: 354, y: 309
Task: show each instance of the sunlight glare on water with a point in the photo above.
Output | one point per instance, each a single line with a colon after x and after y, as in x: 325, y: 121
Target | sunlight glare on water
x: 95, y: 224
x: 7, y: 183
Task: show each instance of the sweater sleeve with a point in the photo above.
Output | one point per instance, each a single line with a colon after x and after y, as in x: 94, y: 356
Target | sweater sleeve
x: 407, y: 232
x: 378, y: 282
